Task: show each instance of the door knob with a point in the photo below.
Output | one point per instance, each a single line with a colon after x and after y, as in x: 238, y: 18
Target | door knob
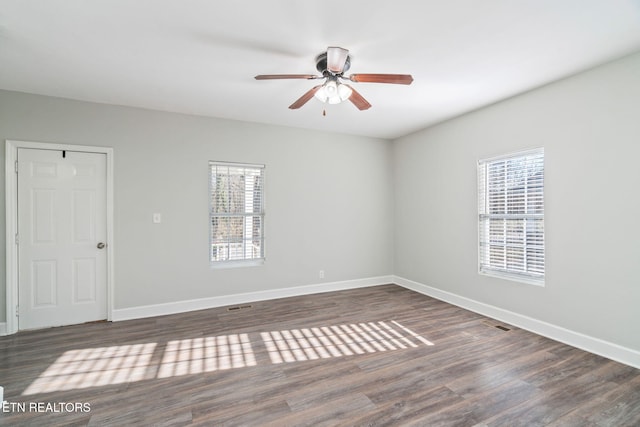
x: 101, y: 245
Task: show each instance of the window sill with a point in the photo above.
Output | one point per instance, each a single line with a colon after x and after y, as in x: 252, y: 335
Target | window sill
x: 514, y: 277
x: 217, y: 265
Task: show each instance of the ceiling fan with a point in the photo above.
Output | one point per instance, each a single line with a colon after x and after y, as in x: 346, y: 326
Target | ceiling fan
x: 332, y: 64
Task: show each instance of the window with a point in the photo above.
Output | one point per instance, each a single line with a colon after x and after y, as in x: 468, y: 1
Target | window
x: 511, y: 216
x: 236, y: 212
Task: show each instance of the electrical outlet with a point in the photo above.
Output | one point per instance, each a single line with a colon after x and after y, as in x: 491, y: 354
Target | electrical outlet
x: 321, y: 274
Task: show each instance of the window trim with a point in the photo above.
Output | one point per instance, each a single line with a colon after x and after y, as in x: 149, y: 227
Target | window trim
x: 246, y: 262
x: 512, y: 275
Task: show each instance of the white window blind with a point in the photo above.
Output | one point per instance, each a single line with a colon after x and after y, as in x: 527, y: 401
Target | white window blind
x: 236, y: 212
x: 511, y: 216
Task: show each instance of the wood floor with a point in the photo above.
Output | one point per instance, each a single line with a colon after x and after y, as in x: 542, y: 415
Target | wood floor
x: 375, y: 356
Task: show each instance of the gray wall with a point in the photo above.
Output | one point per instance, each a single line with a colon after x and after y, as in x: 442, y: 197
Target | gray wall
x: 589, y: 125
x: 328, y: 197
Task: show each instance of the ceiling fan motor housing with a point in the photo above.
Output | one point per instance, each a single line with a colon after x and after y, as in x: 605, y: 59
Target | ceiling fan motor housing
x: 321, y: 64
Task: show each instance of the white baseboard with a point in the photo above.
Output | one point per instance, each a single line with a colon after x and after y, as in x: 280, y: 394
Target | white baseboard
x: 3, y: 329
x: 221, y: 301
x: 576, y: 339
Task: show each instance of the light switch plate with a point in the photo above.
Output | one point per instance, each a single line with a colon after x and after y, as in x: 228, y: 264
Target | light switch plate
x: 157, y: 218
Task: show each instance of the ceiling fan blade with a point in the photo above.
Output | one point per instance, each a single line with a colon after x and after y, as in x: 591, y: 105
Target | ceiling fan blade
x: 305, y: 98
x: 336, y: 58
x: 401, y: 79
x: 358, y: 100
x: 286, y: 76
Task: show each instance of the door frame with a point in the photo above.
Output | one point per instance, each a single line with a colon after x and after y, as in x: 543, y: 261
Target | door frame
x: 11, y: 200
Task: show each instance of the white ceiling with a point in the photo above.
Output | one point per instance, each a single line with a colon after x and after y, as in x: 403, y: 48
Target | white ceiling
x: 200, y: 56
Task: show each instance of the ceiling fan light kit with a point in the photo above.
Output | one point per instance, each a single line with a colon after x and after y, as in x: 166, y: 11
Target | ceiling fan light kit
x: 332, y: 64
x: 333, y: 92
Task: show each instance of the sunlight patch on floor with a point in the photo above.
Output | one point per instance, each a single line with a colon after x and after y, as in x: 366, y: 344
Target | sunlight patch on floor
x: 94, y: 367
x: 102, y: 366
x: 206, y: 354
x: 296, y: 345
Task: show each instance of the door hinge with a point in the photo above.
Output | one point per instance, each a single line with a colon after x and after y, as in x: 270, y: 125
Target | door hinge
x: 17, y: 239
x: 17, y: 311
x: 16, y: 166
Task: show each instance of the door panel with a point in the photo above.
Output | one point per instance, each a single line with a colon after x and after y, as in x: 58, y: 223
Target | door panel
x: 83, y: 216
x: 43, y: 216
x: 84, y: 280
x: 61, y: 219
x: 44, y: 283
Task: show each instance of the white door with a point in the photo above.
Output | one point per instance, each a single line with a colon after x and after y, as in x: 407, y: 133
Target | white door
x: 61, y: 238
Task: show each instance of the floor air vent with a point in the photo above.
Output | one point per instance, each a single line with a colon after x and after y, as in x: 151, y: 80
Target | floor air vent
x: 239, y: 307
x: 492, y: 323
